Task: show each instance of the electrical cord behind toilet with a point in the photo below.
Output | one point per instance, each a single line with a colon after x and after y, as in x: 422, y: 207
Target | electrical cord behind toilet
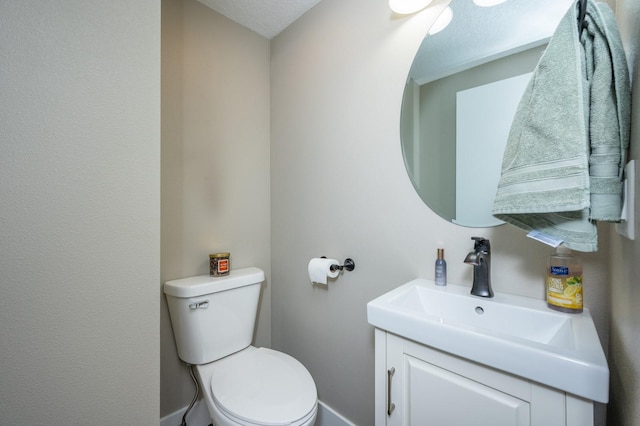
x: 195, y: 397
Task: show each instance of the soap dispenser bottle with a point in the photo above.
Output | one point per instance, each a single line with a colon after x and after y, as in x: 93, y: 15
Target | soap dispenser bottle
x: 564, y: 282
x: 441, y: 268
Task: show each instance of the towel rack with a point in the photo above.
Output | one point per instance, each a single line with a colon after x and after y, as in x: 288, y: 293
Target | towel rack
x: 581, y: 15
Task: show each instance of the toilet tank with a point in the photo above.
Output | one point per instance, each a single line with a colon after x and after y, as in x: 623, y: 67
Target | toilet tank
x: 213, y: 317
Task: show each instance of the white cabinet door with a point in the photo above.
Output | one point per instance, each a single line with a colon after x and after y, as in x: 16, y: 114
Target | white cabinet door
x: 438, y: 397
x: 419, y: 386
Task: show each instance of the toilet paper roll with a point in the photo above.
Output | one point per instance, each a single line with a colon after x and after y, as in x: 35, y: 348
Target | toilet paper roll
x: 320, y: 269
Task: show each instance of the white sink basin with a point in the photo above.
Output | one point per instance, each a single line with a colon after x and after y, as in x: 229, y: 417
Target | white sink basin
x: 515, y: 334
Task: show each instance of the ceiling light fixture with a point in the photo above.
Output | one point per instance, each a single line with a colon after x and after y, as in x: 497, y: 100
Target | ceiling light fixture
x: 406, y: 7
x: 443, y: 20
x: 488, y: 3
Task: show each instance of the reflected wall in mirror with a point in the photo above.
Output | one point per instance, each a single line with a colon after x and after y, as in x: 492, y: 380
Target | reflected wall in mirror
x: 460, y: 98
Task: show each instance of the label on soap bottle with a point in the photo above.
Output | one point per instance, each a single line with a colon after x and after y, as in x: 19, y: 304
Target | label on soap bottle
x: 564, y: 281
x: 564, y: 290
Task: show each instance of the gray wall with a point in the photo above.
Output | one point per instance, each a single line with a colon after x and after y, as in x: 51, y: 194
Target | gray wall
x: 340, y: 189
x: 215, y: 162
x: 80, y: 218
x: 80, y: 215
x: 624, y: 362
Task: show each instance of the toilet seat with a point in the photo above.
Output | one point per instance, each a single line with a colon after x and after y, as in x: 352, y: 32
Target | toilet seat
x: 260, y: 386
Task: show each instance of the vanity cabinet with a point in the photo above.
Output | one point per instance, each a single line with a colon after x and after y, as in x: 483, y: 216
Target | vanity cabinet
x: 420, y: 386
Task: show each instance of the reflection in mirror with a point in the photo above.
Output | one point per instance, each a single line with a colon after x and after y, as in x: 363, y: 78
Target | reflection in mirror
x: 460, y: 98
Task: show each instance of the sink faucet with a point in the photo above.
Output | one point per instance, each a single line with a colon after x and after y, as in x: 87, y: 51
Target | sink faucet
x: 480, y: 258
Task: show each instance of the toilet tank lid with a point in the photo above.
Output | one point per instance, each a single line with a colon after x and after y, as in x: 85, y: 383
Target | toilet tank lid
x: 205, y: 284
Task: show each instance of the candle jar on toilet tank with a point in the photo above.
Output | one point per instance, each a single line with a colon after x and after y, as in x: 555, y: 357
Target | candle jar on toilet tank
x: 219, y: 264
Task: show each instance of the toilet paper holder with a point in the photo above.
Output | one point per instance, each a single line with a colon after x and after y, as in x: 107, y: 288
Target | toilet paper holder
x: 348, y: 265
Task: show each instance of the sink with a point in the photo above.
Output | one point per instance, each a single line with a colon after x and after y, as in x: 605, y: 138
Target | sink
x: 450, y: 306
x: 515, y: 334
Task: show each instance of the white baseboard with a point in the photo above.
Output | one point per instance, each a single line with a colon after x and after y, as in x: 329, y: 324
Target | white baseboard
x: 199, y: 416
x: 327, y: 416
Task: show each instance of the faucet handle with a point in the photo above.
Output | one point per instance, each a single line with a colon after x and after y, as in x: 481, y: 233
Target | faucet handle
x: 481, y: 244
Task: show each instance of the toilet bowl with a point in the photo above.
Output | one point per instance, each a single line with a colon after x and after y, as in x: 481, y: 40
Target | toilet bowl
x: 213, y: 319
x: 258, y: 386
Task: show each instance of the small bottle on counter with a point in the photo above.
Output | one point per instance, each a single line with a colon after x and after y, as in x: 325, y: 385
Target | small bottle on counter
x: 219, y: 264
x: 564, y: 282
x: 441, y: 268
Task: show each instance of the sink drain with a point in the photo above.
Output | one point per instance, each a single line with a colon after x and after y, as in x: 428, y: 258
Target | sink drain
x: 479, y: 310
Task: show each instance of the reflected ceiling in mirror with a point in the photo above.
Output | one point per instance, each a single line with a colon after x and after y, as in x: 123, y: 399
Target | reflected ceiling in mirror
x: 485, y: 54
x: 479, y: 34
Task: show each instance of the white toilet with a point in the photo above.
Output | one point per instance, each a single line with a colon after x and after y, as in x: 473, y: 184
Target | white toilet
x: 213, y: 320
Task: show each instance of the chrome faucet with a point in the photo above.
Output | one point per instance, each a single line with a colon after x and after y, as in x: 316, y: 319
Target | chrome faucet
x: 480, y: 258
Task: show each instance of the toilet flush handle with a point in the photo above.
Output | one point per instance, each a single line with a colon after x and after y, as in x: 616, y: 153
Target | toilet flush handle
x: 199, y: 305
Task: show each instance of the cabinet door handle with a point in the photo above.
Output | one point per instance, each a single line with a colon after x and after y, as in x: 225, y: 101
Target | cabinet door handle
x: 390, y: 405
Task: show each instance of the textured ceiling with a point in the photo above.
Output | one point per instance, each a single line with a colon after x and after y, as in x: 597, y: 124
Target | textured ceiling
x: 474, y: 35
x: 266, y: 17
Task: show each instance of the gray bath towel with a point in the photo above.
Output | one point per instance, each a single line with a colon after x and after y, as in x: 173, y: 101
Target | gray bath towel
x: 562, y: 167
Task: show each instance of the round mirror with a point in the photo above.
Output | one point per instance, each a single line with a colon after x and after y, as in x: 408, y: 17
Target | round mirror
x: 461, y: 94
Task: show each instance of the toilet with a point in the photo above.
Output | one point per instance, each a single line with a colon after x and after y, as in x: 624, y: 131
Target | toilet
x: 213, y: 320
